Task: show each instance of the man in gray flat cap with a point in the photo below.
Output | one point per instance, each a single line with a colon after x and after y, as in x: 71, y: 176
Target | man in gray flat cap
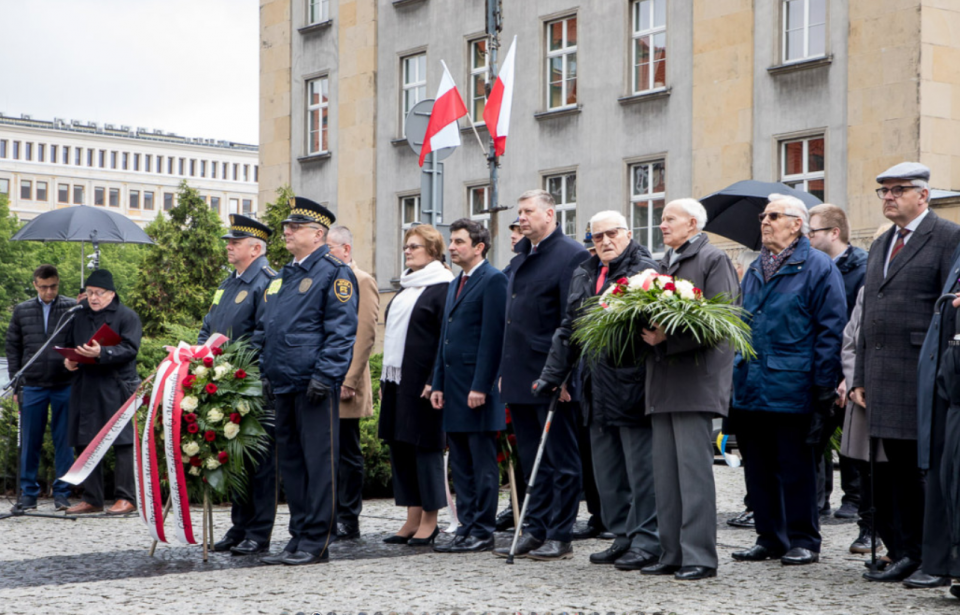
x: 906, y: 270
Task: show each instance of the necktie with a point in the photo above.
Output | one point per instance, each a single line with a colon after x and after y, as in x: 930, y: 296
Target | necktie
x: 601, y: 278
x: 898, y: 244
x: 463, y: 282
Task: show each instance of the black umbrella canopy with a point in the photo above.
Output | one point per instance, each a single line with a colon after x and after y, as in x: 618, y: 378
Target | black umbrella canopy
x: 82, y: 223
x: 732, y: 212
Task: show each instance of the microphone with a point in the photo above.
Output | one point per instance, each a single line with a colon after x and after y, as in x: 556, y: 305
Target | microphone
x: 75, y: 308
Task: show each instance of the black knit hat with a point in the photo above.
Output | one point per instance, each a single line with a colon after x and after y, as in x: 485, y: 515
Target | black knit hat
x: 101, y: 278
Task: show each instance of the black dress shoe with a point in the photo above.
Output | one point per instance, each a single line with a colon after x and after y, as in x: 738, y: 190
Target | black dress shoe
x: 276, y: 558
x: 584, y: 531
x: 423, y: 542
x: 505, y: 520
x: 607, y: 536
x: 525, y: 545
x: 249, y: 547
x: 348, y: 531
x: 756, y: 553
x: 798, y: 556
x: 660, y: 569
x: 472, y: 544
x: 897, y: 571
x: 611, y: 554
x: 551, y: 550
x: 882, y: 563
x: 864, y: 542
x: 444, y: 547
x: 635, y: 559
x: 955, y: 591
x: 397, y: 539
x: 693, y: 573
x: 302, y: 558
x: 847, y: 511
x: 744, y: 519
x: 922, y: 580
x: 225, y: 544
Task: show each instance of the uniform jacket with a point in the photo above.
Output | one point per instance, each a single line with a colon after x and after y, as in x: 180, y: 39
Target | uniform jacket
x: 897, y: 311
x: 25, y: 336
x: 468, y: 357
x: 238, y: 303
x: 99, y: 389
x: 684, y: 375
x: 409, y: 417
x: 537, y: 292
x: 796, y: 321
x: 853, y: 267
x: 358, y: 376
x: 309, y: 325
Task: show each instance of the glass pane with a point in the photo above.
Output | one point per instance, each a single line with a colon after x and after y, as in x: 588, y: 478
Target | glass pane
x: 793, y: 158
x: 556, y: 77
x: 324, y: 138
x: 477, y: 201
x: 642, y: 50
x: 314, y: 134
x: 794, y: 10
x: 570, y: 223
x: 659, y: 13
x: 815, y: 187
x: 659, y: 178
x: 656, y: 245
x: 479, y: 54
x: 409, y: 210
x: 638, y: 221
x: 660, y: 46
x: 98, y: 196
x: 794, y: 45
x: 555, y: 188
x: 571, y: 189
x: 555, y: 35
x: 641, y: 179
x: 645, y: 7
x: 422, y: 67
x: 815, y: 154
x: 572, y: 79
x: 659, y: 74
x: 572, y: 32
x: 478, y: 96
x: 818, y: 11
x: 817, y: 44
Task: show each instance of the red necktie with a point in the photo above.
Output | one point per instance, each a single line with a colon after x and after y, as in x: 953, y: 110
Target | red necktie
x: 899, y: 243
x: 601, y: 278
x: 463, y: 282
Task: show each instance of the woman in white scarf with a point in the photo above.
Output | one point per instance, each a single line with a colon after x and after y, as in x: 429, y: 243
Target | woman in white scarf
x: 408, y: 423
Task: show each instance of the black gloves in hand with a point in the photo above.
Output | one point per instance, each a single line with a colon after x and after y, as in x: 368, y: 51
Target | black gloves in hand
x: 824, y: 405
x: 267, y: 390
x: 542, y: 388
x: 317, y: 391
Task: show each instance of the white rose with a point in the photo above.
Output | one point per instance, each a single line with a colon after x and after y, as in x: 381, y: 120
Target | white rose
x: 200, y: 371
x: 214, y: 415
x: 243, y: 407
x: 189, y: 403
x: 231, y: 430
x: 220, y: 371
x: 195, y: 470
x: 668, y: 293
x: 191, y: 448
x: 212, y: 463
x: 685, y: 289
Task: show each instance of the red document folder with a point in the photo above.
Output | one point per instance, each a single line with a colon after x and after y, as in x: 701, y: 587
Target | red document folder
x: 105, y: 336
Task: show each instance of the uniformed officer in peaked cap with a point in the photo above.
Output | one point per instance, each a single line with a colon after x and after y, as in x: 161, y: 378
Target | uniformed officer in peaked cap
x: 307, y: 334
x: 237, y: 306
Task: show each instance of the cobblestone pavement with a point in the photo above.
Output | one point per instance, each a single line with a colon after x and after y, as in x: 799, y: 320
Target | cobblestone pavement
x: 96, y: 565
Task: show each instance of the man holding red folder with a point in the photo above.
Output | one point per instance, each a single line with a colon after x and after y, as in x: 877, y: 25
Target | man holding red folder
x: 105, y: 375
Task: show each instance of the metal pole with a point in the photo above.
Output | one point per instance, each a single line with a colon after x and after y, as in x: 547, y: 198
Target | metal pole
x: 434, y: 197
x: 494, y: 17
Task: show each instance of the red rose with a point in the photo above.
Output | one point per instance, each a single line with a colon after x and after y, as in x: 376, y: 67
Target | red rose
x: 512, y: 439
x: 146, y: 401
x: 509, y: 420
x: 235, y: 417
x: 216, y: 351
x: 208, y: 361
x: 222, y: 456
x: 210, y: 435
x: 239, y: 374
x: 669, y: 286
x: 501, y: 457
x: 189, y: 381
x: 190, y: 417
x: 195, y: 462
x: 697, y: 292
x: 211, y: 388
x: 623, y: 281
x: 192, y: 428
x: 617, y: 291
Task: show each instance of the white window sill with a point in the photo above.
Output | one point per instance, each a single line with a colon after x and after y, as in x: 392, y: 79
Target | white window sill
x: 797, y: 65
x: 319, y: 156
x: 315, y: 27
x: 645, y: 95
x: 558, y: 112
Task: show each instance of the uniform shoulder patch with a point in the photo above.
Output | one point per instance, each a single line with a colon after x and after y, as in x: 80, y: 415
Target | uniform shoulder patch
x: 343, y: 289
x: 269, y: 271
x: 336, y: 261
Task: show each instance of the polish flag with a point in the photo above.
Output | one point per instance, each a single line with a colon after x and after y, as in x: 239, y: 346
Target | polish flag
x: 443, y: 130
x: 496, y: 113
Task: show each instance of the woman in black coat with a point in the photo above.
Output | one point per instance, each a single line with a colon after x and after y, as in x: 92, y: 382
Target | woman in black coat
x: 100, y: 388
x: 408, y: 423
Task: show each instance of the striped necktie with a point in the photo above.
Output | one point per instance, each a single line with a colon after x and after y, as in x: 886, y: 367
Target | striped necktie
x: 899, y: 243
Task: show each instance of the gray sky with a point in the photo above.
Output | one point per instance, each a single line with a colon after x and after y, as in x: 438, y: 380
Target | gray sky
x: 185, y: 66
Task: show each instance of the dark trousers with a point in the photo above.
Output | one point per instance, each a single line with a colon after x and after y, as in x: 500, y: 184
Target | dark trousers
x: 34, y: 402
x: 350, y: 488
x: 418, y: 478
x: 899, y: 492
x: 937, y: 522
x: 590, y: 492
x: 125, y: 487
x: 781, y: 479
x: 849, y: 470
x: 555, y: 496
x: 308, y: 440
x: 253, y: 512
x: 476, y: 477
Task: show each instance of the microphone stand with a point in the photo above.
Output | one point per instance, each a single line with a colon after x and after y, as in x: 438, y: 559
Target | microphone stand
x: 9, y: 390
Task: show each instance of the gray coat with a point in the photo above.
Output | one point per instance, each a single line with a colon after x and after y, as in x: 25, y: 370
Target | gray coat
x: 682, y: 374
x: 896, y: 314
x: 856, y: 424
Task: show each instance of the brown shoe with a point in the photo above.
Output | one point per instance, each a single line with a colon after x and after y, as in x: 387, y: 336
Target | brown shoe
x: 84, y: 508
x: 121, y: 507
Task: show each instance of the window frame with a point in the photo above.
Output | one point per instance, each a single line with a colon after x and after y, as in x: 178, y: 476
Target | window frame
x: 636, y: 35
x: 113, y: 197
x: 784, y: 32
x: 405, y: 224
x: 324, y: 13
x: 26, y: 184
x: 406, y: 86
x: 482, y: 218
x: 99, y: 196
x: 133, y: 199
x: 563, y: 52
x: 41, y: 192
x: 322, y: 108
x: 649, y: 198
x: 565, y: 207
x: 148, y: 203
x: 476, y: 72
x: 79, y: 192
x: 801, y: 181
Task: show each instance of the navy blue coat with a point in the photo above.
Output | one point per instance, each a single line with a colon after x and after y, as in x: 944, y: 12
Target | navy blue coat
x: 468, y: 357
x: 797, y: 321
x: 238, y: 303
x: 537, y: 293
x: 853, y: 268
x: 309, y: 325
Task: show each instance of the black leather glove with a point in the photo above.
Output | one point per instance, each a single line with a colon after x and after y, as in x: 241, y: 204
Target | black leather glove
x: 317, y: 391
x: 824, y: 403
x: 543, y: 388
x: 267, y: 390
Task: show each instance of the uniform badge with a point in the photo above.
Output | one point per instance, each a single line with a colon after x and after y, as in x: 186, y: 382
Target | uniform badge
x: 217, y: 296
x: 240, y: 296
x: 305, y: 284
x: 274, y: 287
x: 343, y: 289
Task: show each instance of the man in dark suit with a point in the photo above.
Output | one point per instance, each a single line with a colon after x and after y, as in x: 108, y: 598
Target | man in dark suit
x: 907, y: 267
x: 464, y: 384
x: 539, y: 286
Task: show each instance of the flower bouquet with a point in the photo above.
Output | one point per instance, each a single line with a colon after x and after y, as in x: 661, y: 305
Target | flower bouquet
x: 612, y: 322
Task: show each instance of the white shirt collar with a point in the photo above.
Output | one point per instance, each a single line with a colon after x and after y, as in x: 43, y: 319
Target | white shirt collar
x: 916, y: 221
x: 467, y: 274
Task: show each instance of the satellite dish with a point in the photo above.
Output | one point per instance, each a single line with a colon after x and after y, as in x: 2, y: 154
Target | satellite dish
x: 416, y: 126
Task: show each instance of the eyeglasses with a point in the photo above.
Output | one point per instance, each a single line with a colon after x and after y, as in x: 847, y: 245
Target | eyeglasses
x: 896, y: 191
x: 774, y: 215
x: 412, y: 246
x: 611, y: 233
x: 817, y: 230
x: 48, y: 286
x: 98, y: 293
x: 296, y: 226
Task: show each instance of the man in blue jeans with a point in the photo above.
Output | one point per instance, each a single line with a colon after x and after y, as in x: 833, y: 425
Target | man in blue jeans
x: 45, y: 385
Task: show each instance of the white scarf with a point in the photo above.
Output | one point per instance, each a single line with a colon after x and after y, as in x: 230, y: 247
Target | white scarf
x: 395, y: 337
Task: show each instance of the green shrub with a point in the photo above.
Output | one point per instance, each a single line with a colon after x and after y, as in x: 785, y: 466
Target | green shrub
x: 376, y: 457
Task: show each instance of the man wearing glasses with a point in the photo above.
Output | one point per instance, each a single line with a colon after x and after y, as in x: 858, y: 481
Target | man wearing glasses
x: 45, y: 385
x: 907, y: 268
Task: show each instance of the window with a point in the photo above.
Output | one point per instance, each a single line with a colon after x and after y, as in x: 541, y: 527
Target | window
x: 224, y: 175
x: 136, y: 162
x: 114, y: 197
x: 246, y: 172
x: 26, y: 189
x: 479, y: 198
x: 647, y: 187
x: 63, y: 193
x: 98, y: 196
x: 126, y: 161
x: 169, y: 165
x: 802, y: 165
x: 414, y: 85
x: 41, y: 152
x: 147, y: 162
x: 89, y: 157
x: 148, y: 200
x: 193, y: 168
x: 41, y: 191
x: 134, y: 199
x: 66, y: 155
x: 247, y: 206
x: 804, y: 29
x: 649, y: 45
x: 103, y: 158
x: 479, y: 77
x: 78, y: 156
x: 167, y: 200
x: 213, y: 169
x: 236, y: 171
x: 256, y: 173
x: 562, y: 63
x: 181, y: 165
x: 4, y: 186
x: 3, y: 148
x: 318, y: 11
x: 28, y: 151
x: 78, y: 195
x: 317, y: 115
x: 234, y: 206
x: 563, y: 188
x: 113, y: 160
x: 215, y: 203
x: 53, y: 155
x: 203, y: 168
x: 409, y: 214
x: 16, y: 150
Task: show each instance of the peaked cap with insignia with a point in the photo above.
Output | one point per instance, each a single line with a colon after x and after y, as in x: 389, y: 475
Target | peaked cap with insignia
x: 242, y: 226
x: 303, y: 210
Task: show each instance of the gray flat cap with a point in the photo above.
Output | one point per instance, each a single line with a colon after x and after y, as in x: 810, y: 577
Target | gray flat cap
x: 905, y: 170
